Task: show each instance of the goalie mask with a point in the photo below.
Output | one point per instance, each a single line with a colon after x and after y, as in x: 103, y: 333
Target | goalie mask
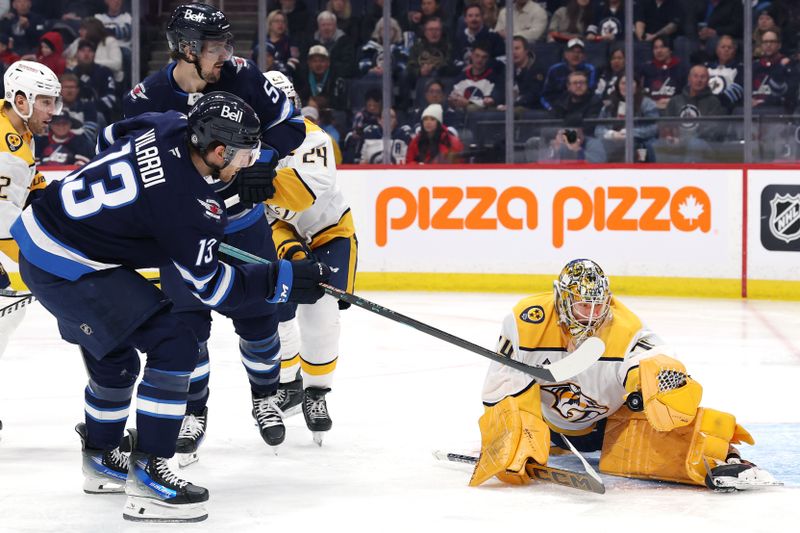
x: 582, y: 299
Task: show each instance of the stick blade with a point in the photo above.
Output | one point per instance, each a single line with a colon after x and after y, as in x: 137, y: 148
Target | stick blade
x: 585, y: 356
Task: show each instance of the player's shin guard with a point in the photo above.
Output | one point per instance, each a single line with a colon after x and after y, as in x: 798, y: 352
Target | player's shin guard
x: 161, y: 405
x: 106, y: 411
x: 198, y: 381
x: 261, y: 359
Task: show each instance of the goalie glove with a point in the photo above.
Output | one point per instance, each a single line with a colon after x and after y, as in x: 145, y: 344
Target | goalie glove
x: 255, y: 183
x: 668, y: 395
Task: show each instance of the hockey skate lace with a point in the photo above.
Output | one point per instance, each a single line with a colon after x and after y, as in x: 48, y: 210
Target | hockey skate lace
x: 192, y: 427
x: 118, y: 459
x: 281, y: 396
x: 163, y: 470
x: 317, y: 408
x: 268, y: 413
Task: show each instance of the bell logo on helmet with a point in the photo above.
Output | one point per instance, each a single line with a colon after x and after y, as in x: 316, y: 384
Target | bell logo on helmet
x: 194, y: 17
x: 235, y: 116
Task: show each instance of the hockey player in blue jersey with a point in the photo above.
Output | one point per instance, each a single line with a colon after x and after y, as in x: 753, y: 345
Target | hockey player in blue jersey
x: 200, y: 42
x: 143, y: 202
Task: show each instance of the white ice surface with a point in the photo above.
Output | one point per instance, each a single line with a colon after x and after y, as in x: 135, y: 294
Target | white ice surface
x: 398, y: 395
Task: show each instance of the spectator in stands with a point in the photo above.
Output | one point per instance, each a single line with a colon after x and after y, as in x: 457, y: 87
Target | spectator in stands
x: 341, y: 48
x: 431, y: 55
x: 435, y: 94
x: 657, y: 18
x: 609, y: 22
x: 476, y: 31
x: 719, y: 17
x: 687, y: 140
x: 319, y: 78
x: 72, y: 10
x: 118, y: 23
x: 83, y: 111
x: 324, y: 118
x: 7, y: 54
x: 300, y: 20
x: 528, y: 76
x: 312, y: 113
x: 726, y: 74
x: 51, y: 46
x: 108, y: 52
x: 271, y: 63
x: 615, y: 67
x: 572, y: 108
x: 370, y: 60
x: 372, y: 148
x: 97, y: 81
x: 481, y: 85
x: 428, y: 9
x: 772, y: 75
x: 789, y: 12
x: 286, y: 52
x: 345, y: 20
x: 61, y: 146
x: 766, y: 22
x: 491, y: 13
x: 23, y: 25
x: 665, y: 75
x: 571, y: 21
x: 530, y: 20
x: 644, y: 132
x: 555, y: 82
x: 373, y: 10
x: 370, y: 113
x: 434, y: 144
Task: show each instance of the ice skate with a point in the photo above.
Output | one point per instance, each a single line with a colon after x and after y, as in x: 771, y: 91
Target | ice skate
x: 104, y: 471
x: 156, y: 494
x: 269, y: 419
x: 192, y: 434
x: 737, y: 474
x: 315, y: 411
x: 289, y: 397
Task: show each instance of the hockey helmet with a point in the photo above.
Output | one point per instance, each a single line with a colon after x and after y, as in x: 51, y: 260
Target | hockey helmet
x: 582, y: 299
x: 278, y: 79
x: 31, y: 79
x: 191, y: 24
x: 225, y: 118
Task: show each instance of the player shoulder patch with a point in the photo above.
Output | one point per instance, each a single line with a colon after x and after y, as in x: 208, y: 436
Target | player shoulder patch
x: 138, y: 92
x: 239, y: 63
x: 212, y: 208
x: 533, y: 314
x: 14, y: 141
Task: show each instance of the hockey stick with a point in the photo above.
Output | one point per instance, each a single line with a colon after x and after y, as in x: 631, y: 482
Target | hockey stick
x: 11, y: 293
x: 588, y: 481
x: 578, y: 361
x: 22, y: 302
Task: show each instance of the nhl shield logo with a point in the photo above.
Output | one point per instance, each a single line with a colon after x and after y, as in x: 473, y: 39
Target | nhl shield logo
x: 784, y: 217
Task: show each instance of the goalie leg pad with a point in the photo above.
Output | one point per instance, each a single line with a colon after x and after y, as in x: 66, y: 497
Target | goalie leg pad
x: 632, y: 447
x: 512, y: 432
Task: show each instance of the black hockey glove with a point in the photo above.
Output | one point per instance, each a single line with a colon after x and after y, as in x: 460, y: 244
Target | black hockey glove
x: 254, y: 183
x: 307, y: 274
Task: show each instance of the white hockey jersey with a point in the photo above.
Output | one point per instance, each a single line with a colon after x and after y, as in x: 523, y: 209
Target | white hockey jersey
x: 310, y: 167
x: 531, y: 334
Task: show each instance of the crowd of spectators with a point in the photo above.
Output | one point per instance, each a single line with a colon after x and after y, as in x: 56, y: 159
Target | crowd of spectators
x: 448, y: 73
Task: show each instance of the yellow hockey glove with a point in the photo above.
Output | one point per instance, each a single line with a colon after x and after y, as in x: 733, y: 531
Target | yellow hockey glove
x: 293, y: 250
x: 512, y: 432
x: 670, y: 396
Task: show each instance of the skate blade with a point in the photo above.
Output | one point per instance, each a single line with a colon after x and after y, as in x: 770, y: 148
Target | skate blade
x: 140, y: 509
x: 318, y: 437
x: 186, y: 459
x: 103, y: 486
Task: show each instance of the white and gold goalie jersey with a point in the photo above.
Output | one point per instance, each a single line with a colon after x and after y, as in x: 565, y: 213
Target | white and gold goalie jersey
x: 531, y: 334
x: 308, y: 198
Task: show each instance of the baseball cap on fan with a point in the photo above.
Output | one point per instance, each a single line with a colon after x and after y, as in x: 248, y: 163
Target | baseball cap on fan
x: 318, y: 50
x: 575, y: 42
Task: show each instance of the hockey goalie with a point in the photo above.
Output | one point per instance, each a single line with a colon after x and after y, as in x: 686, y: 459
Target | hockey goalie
x: 637, y: 404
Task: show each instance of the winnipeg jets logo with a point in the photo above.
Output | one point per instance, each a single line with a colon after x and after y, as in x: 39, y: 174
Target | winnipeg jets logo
x: 212, y: 208
x: 239, y: 63
x: 572, y: 404
x: 137, y: 93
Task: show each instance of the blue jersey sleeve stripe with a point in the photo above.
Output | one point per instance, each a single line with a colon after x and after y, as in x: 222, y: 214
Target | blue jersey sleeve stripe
x: 222, y: 289
x: 246, y: 220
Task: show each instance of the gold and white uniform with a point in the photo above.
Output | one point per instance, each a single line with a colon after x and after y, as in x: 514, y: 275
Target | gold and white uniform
x: 309, y: 207
x: 531, y: 334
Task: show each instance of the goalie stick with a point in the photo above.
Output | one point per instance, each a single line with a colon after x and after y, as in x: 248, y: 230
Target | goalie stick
x: 588, y: 481
x: 578, y: 361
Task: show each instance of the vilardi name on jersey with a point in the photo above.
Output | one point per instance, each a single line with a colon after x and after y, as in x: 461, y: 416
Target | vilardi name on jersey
x: 140, y: 203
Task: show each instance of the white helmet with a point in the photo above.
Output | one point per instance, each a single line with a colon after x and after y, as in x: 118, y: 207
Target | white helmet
x: 279, y: 80
x: 31, y: 79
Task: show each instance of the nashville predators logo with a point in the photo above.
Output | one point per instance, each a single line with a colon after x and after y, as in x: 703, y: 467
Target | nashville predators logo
x: 14, y: 141
x: 532, y: 315
x: 572, y: 404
